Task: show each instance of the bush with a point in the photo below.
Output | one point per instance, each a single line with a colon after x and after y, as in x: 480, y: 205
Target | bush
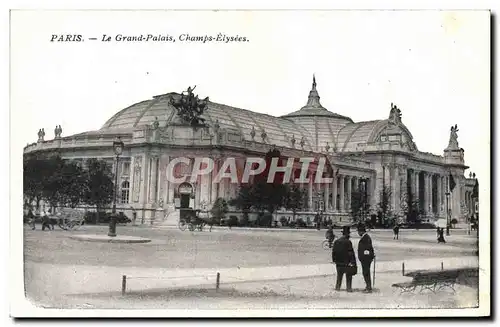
x: 232, y: 221
x: 264, y: 220
x: 283, y: 221
x: 301, y: 223
x: 244, y: 222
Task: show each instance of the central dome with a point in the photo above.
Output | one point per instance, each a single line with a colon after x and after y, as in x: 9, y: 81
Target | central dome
x: 314, y: 107
x: 314, y: 124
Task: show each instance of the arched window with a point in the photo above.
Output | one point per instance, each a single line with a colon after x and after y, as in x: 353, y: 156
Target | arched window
x: 125, y: 192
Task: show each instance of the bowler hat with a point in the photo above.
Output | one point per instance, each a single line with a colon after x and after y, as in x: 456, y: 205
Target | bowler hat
x: 346, y: 230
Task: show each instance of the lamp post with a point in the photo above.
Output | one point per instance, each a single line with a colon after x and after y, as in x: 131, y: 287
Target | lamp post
x: 118, y: 149
x: 447, y: 214
x: 319, y: 196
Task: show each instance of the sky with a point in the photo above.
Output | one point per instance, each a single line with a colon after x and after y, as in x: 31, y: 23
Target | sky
x: 434, y: 65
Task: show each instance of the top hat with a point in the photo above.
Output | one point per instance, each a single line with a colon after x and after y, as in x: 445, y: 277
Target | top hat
x: 346, y: 230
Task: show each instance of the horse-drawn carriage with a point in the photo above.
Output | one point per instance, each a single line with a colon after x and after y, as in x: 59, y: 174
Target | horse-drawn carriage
x: 193, y: 219
x: 69, y: 219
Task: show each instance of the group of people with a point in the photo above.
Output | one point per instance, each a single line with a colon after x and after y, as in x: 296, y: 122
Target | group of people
x: 47, y: 222
x: 344, y: 257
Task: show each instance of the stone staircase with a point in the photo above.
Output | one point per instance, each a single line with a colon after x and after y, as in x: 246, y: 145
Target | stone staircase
x: 171, y: 217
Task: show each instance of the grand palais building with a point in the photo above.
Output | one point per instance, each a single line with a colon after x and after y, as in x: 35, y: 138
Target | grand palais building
x: 381, y: 153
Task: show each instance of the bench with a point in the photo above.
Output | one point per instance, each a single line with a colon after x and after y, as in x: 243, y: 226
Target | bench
x: 435, y: 280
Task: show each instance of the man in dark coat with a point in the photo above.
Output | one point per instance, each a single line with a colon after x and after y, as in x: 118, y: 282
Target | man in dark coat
x: 396, y: 232
x: 344, y: 258
x: 365, y: 256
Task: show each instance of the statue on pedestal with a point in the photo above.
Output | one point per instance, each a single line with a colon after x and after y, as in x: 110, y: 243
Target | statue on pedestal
x: 302, y: 142
x: 57, y: 132
x: 252, y: 133
x: 395, y: 114
x: 156, y: 123
x: 189, y: 107
x: 453, y: 143
x: 41, y: 135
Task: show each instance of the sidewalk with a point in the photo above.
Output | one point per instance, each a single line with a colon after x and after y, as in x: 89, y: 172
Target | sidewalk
x: 46, y: 282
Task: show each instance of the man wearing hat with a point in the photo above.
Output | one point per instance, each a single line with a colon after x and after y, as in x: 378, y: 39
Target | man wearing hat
x: 344, y: 258
x: 365, y: 256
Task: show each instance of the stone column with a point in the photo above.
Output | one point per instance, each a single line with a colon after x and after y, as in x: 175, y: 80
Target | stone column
x: 334, y: 193
x: 349, y: 193
x: 342, y: 193
x: 396, y: 190
x: 143, y: 197
x: 431, y: 191
x: 393, y: 176
x: 416, y: 175
x: 133, y: 182
x: 426, y: 190
x: 214, y: 187
x: 153, y: 180
x: 368, y: 188
x: 310, y: 192
x: 439, y: 195
x: 327, y: 196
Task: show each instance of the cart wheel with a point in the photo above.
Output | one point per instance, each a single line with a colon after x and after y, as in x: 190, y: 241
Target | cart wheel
x: 182, y: 225
x: 78, y: 224
x: 325, y: 245
x: 191, y: 227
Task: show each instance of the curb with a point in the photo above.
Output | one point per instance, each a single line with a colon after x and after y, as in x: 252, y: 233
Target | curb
x: 109, y: 239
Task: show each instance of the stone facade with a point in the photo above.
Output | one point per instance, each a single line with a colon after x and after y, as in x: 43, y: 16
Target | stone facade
x: 374, y: 154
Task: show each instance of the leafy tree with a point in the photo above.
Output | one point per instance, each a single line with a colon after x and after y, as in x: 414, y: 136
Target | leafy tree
x: 33, y: 179
x: 244, y: 199
x: 219, y: 210
x: 99, y: 186
x: 294, y: 198
x: 52, y: 179
x: 359, y: 205
x: 384, y: 206
x: 72, y: 182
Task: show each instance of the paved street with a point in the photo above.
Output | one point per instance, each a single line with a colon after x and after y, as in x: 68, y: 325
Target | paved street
x: 259, y: 269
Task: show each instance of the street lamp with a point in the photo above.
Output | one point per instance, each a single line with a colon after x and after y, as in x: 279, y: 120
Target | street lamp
x: 447, y: 214
x: 118, y: 149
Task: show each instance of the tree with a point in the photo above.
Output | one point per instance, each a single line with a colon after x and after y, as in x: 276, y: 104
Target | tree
x: 33, y: 179
x: 244, y: 199
x: 384, y: 206
x: 99, y: 186
x: 262, y: 195
x: 52, y: 179
x: 359, y: 205
x: 71, y: 184
x: 219, y: 210
x: 294, y: 199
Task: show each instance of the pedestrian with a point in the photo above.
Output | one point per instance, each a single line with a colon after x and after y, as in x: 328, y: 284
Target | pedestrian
x: 330, y: 236
x: 344, y: 259
x: 396, y: 232
x: 441, y: 235
x: 31, y: 219
x: 366, y: 254
x: 45, y: 220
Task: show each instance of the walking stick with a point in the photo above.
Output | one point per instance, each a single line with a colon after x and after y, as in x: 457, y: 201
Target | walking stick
x: 374, y: 268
